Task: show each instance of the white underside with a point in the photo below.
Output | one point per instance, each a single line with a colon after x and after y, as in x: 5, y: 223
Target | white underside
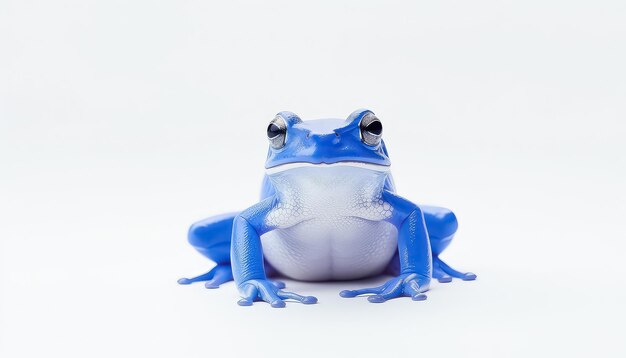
x: 330, y: 222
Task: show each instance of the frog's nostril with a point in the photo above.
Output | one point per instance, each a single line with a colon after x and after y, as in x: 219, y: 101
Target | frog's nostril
x: 308, y: 135
x: 336, y: 134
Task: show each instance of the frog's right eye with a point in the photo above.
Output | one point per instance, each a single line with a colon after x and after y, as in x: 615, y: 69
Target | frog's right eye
x: 277, y: 132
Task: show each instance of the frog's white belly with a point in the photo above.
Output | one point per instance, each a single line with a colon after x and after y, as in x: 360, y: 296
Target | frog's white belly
x: 330, y: 224
x: 344, y: 249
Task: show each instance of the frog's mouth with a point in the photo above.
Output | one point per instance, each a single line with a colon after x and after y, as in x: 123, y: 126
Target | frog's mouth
x: 362, y: 165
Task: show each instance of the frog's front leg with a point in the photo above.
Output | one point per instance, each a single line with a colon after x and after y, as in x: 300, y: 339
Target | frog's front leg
x: 247, y: 259
x: 414, y: 254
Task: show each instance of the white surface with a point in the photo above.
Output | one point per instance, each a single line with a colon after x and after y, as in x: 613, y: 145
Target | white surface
x: 123, y: 122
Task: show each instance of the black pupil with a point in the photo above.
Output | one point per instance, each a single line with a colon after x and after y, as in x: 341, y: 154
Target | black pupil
x: 273, y: 131
x: 375, y: 128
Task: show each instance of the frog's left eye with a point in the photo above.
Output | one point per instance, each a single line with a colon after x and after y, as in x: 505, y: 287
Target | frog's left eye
x: 371, y: 129
x: 277, y: 132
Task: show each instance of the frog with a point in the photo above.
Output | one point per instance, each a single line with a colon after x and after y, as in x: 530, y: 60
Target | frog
x: 328, y: 211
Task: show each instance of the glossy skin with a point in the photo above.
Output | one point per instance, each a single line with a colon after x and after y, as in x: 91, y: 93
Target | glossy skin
x: 328, y: 211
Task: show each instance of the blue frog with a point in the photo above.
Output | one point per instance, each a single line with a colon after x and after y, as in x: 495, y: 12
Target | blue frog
x: 328, y: 211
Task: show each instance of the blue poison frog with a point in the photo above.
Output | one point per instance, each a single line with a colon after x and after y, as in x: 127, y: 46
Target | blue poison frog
x: 328, y: 211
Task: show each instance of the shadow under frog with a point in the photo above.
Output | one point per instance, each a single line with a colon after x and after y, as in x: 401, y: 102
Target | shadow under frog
x: 328, y: 211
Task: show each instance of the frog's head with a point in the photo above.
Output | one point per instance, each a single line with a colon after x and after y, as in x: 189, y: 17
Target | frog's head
x: 355, y: 141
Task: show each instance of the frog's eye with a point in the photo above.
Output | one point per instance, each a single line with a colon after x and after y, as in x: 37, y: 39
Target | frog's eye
x: 277, y: 132
x: 371, y: 129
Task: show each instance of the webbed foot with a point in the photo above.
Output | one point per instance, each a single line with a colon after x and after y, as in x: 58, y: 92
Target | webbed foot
x: 268, y: 291
x: 218, y: 275
x: 407, y: 285
x: 445, y: 273
x: 441, y: 276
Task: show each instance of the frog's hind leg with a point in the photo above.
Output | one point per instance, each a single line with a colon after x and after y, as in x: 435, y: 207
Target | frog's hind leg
x: 211, y: 238
x: 442, y: 225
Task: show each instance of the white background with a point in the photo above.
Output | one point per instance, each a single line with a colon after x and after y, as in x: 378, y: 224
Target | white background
x: 122, y: 122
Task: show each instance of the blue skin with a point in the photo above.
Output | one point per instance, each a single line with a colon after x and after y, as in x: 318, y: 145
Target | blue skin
x: 233, y: 241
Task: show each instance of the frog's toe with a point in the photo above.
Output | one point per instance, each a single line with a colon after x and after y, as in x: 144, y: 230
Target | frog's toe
x: 347, y: 294
x: 278, y: 304
x: 362, y: 291
x: 393, y: 289
x: 216, y: 282
x: 222, y: 275
x: 215, y: 277
x: 405, y: 285
x: 278, y: 284
x: 469, y: 276
x: 244, y: 302
x: 440, y: 275
x: 307, y: 300
x: 265, y: 290
x: 440, y: 266
x: 376, y: 299
x: 204, y: 277
x: 184, y: 281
